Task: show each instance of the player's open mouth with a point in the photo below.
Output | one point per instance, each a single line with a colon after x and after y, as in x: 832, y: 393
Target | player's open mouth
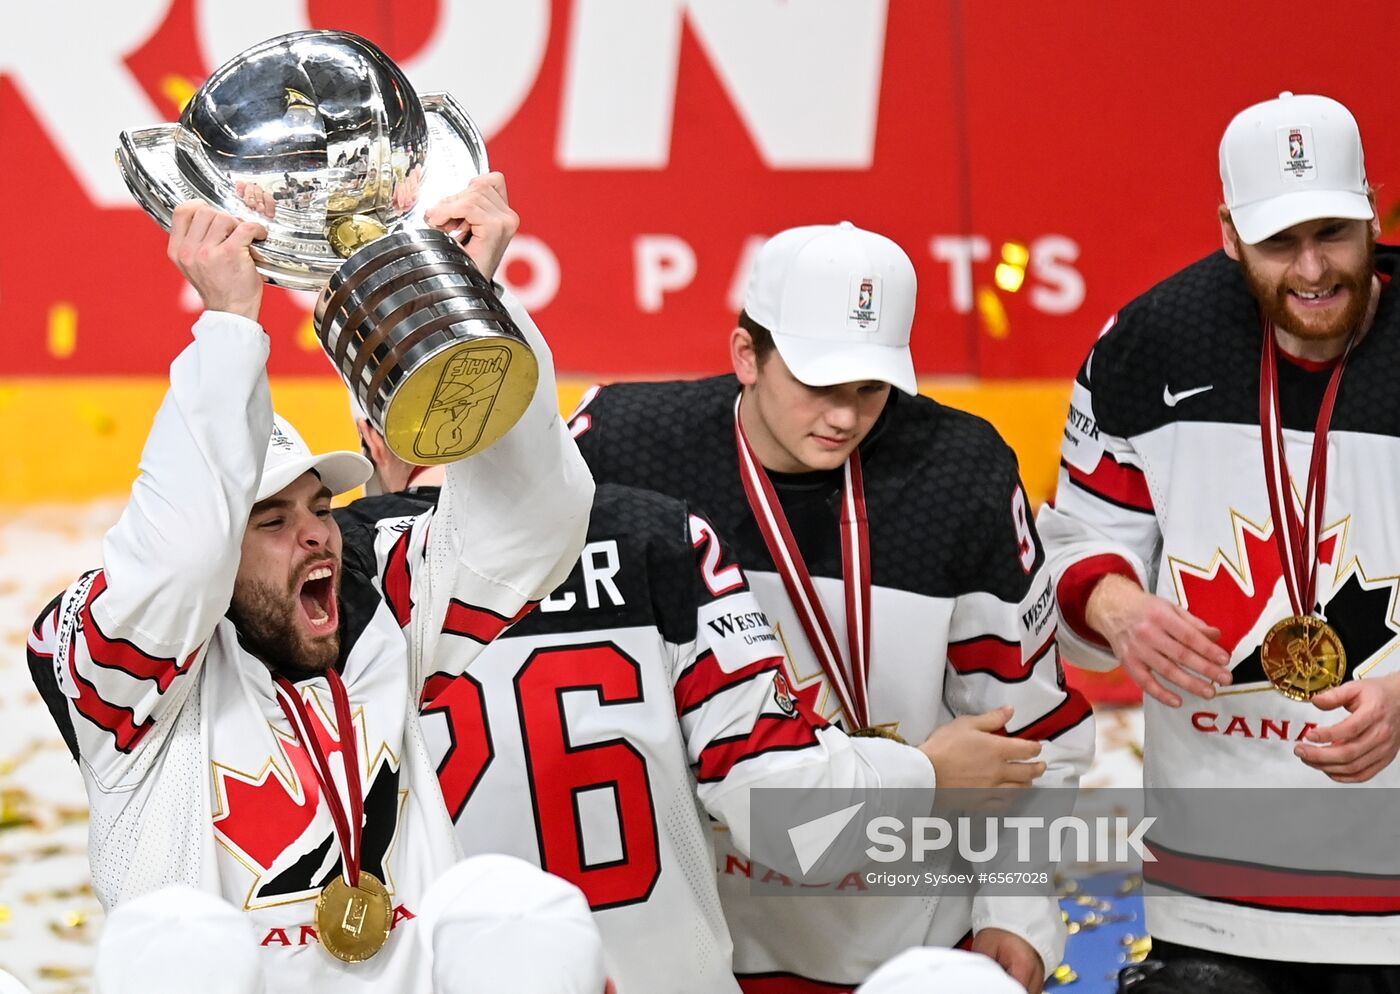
x: 1316, y: 298
x: 317, y: 598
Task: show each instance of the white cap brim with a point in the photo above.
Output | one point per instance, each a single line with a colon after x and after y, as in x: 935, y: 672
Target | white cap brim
x: 340, y: 472
x: 821, y: 363
x: 1255, y: 222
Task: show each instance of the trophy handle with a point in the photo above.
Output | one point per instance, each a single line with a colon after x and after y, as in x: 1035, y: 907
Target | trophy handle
x: 452, y: 113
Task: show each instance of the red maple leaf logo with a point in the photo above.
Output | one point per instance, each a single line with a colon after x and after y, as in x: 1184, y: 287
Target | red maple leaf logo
x: 1231, y: 596
x: 265, y: 814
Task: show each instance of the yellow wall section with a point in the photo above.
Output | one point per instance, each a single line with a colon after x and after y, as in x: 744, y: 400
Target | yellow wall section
x: 79, y: 438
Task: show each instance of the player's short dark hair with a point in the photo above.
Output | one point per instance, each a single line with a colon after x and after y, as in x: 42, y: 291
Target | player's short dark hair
x: 762, y: 338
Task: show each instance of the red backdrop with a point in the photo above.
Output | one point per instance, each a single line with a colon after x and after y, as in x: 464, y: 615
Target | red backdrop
x: 638, y: 135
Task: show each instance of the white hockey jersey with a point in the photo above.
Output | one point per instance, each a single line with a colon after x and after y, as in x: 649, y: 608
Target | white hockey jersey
x: 192, y: 771
x: 963, y: 621
x: 595, y: 736
x: 1162, y: 479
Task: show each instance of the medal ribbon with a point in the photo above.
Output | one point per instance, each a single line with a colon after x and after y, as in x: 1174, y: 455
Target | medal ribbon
x: 847, y: 680
x: 349, y: 825
x: 1295, y: 534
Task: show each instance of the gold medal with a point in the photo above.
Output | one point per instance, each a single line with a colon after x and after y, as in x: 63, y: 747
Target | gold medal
x: 353, y: 232
x: 1303, y: 656
x: 353, y: 922
x: 879, y: 732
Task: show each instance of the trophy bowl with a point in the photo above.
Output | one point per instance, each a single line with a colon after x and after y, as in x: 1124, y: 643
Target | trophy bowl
x: 320, y: 137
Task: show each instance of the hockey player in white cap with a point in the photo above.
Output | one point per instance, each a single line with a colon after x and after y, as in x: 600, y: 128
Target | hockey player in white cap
x: 1226, y: 494
x: 245, y: 706
x: 888, y: 539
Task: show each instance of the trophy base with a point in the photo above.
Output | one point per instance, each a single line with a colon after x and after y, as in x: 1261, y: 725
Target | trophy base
x: 460, y: 401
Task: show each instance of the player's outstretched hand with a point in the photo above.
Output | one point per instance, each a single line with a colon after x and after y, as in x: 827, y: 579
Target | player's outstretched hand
x: 1155, y: 639
x: 973, y: 751
x: 1363, y: 743
x: 211, y: 249
x: 1014, y: 955
x: 480, y: 218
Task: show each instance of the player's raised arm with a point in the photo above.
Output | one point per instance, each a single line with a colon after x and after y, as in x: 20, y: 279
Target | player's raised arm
x: 128, y: 632
x: 511, y: 521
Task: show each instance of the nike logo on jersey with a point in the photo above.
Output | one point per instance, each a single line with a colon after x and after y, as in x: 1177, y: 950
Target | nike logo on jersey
x: 1172, y: 399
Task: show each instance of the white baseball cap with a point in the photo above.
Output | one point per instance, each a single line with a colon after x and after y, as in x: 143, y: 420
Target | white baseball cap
x: 1289, y: 160
x: 498, y: 923
x: 288, y: 457
x: 177, y: 940
x: 839, y: 302
x: 948, y: 971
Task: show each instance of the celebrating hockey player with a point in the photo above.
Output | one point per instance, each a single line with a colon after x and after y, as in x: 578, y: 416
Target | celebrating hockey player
x: 246, y: 707
x: 889, y: 540
x: 655, y: 665
x: 1225, y: 530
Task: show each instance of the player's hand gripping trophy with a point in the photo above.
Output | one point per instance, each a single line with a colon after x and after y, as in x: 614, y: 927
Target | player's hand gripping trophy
x: 320, y: 138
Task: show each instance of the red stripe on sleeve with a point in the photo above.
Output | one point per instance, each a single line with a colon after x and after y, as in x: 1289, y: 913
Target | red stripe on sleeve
x: 771, y: 733
x: 478, y: 623
x: 996, y: 657
x: 1071, y: 711
x: 117, y: 720
x: 1078, y: 583
x: 119, y: 654
x: 1123, y: 485
x: 705, y: 678
x: 397, y: 582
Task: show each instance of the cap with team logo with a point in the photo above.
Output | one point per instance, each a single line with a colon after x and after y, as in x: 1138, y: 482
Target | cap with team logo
x: 167, y: 940
x: 839, y: 302
x: 924, y: 968
x: 497, y: 923
x: 288, y: 457
x: 1290, y: 160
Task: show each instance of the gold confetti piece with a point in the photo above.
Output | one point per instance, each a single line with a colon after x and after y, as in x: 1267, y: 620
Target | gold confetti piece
x: 14, y: 809
x: 59, y: 973
x: 1138, y: 947
x: 1064, y: 974
x: 5, y: 914
x: 1130, y: 884
x: 178, y: 90
x: 1015, y: 254
x: 63, y: 330
x: 1136, y: 749
x: 1009, y: 277
x: 1068, y: 888
x: 993, y: 313
x: 1089, y: 901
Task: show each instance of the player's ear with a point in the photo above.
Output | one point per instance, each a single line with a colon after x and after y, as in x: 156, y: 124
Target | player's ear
x: 743, y: 356
x: 1229, y: 237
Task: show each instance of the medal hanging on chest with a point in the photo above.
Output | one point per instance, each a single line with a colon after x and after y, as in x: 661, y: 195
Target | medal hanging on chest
x: 353, y: 913
x: 848, y: 680
x: 1302, y: 655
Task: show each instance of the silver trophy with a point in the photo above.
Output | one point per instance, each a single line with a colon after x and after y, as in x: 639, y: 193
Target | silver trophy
x: 318, y: 136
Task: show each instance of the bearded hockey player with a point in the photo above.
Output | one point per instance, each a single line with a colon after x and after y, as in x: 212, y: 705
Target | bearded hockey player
x: 1225, y: 530
x: 888, y: 540
x: 245, y: 707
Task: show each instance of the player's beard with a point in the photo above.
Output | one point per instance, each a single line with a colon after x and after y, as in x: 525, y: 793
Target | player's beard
x: 1273, y: 299
x: 269, y: 627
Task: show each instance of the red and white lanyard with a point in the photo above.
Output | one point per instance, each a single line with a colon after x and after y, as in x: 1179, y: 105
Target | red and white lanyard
x: 349, y: 819
x: 848, y: 677
x: 1295, y: 534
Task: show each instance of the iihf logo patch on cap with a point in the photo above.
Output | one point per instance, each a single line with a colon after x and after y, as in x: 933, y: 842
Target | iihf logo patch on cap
x: 280, y: 440
x: 864, y: 310
x: 1295, y: 146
